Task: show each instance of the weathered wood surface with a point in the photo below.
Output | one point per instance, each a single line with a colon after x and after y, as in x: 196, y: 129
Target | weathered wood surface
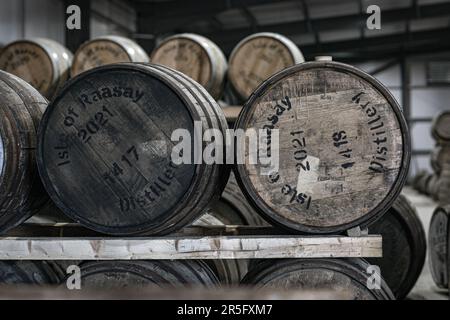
x: 21, y: 192
x: 438, y: 246
x: 422, y: 181
x: 195, y: 56
x: 179, y: 293
x: 440, y: 128
x: 106, y: 50
x: 443, y: 192
x: 344, y: 148
x: 259, y: 56
x: 433, y: 186
x: 29, y: 273
x: 249, y: 247
x: 233, y: 208
x: 139, y: 274
x: 404, y: 247
x: 43, y: 63
x: 107, y: 140
x: 312, y: 274
x: 439, y: 157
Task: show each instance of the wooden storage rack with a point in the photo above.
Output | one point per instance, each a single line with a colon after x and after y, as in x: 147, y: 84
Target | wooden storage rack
x: 221, y: 242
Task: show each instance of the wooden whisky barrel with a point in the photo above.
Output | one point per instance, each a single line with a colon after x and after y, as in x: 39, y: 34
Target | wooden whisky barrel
x: 21, y: 191
x: 443, y: 191
x: 112, y: 128
x: 438, y: 246
x: 28, y: 273
x: 106, y: 50
x: 422, y: 182
x: 404, y: 247
x: 234, y: 209
x: 434, y: 159
x: 228, y: 271
x: 440, y: 128
x: 162, y: 273
x: 343, y: 150
x: 43, y: 63
x: 433, y: 186
x: 257, y: 57
x: 195, y: 56
x: 348, y: 275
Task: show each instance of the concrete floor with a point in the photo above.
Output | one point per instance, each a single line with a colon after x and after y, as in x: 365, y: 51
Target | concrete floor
x: 425, y: 289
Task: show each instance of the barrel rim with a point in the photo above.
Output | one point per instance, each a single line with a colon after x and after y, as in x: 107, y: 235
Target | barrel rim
x: 35, y: 42
x: 154, y: 227
x: 379, y: 210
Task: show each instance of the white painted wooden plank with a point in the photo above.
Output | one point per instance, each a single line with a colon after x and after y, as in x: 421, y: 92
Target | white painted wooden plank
x: 213, y: 247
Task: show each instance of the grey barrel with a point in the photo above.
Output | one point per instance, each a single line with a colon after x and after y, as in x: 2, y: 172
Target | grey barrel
x: 336, y: 275
x: 22, y: 193
x: 113, y: 129
x: 333, y: 135
x: 404, y: 247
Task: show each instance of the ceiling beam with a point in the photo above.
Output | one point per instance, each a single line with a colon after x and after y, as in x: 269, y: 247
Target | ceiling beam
x: 353, y: 21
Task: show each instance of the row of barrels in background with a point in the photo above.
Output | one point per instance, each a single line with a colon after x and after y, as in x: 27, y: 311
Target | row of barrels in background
x: 47, y: 65
x: 437, y: 183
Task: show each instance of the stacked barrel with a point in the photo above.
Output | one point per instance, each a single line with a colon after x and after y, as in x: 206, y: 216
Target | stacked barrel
x: 437, y: 184
x: 121, y: 150
x: 439, y: 247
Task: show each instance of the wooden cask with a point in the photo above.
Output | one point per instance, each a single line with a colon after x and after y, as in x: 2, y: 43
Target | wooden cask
x: 106, y: 50
x: 419, y: 176
x: 439, y: 156
x: 28, y: 273
x: 443, y: 191
x: 440, y: 128
x: 404, y: 247
x: 105, y: 150
x: 343, y: 151
x: 21, y: 191
x: 43, y: 63
x: 234, y: 209
x: 195, y: 56
x: 257, y: 57
x: 338, y: 275
x: 162, y: 273
x: 433, y: 186
x: 438, y: 246
x: 423, y: 181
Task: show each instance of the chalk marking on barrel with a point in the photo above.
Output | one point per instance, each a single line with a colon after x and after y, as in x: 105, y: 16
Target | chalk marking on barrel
x: 307, y: 179
x: 157, y: 147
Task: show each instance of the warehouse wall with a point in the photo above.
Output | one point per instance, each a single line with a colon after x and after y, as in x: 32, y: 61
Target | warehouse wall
x: 46, y: 18
x: 112, y: 17
x: 426, y: 101
x: 43, y: 19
